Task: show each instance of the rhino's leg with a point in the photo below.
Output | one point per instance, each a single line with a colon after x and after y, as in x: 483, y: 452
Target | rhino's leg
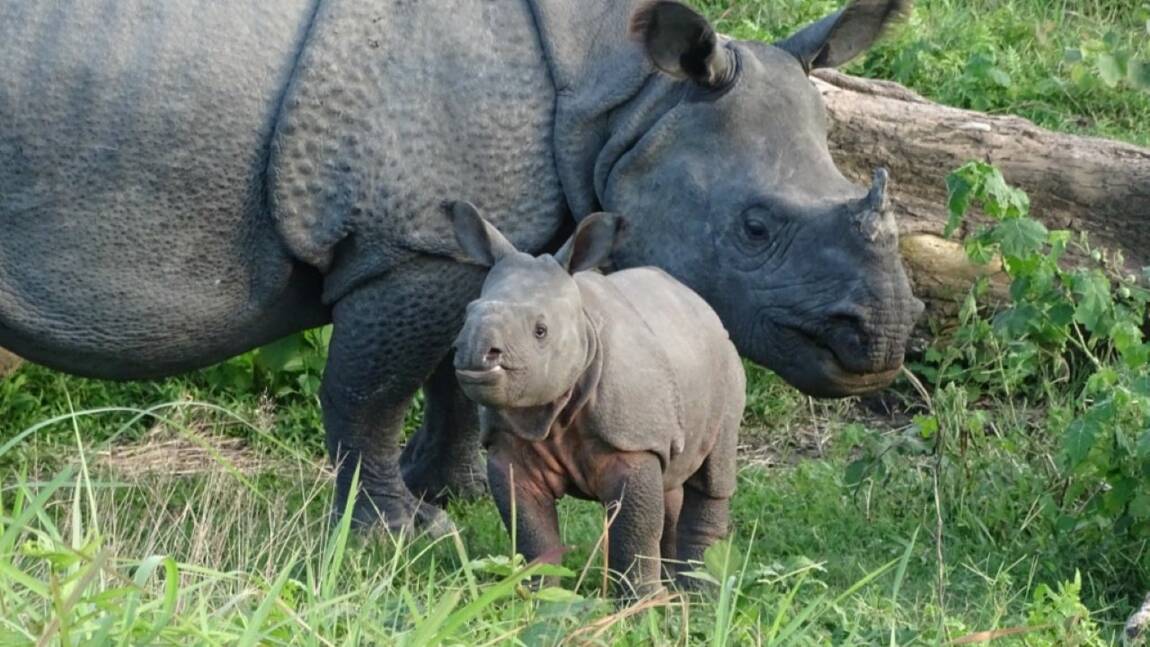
x: 525, y: 507
x: 633, y: 493
x: 668, y: 545
x: 389, y: 335
x: 442, y: 459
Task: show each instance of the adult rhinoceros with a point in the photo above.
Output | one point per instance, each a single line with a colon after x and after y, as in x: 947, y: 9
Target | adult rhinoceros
x: 181, y: 181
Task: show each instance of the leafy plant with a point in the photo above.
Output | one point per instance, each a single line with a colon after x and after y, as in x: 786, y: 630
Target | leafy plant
x: 1071, y: 336
x: 1112, y: 60
x: 294, y: 363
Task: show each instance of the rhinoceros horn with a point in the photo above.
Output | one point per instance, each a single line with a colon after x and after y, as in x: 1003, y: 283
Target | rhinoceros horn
x: 874, y: 218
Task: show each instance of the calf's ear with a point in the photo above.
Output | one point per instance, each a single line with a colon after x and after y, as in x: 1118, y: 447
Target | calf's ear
x: 592, y: 243
x: 682, y: 43
x: 481, y: 242
x: 841, y: 36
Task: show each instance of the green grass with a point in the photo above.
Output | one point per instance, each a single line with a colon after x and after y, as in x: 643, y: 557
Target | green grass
x: 1002, y: 56
x: 272, y: 543
x: 848, y: 530
x: 89, y: 551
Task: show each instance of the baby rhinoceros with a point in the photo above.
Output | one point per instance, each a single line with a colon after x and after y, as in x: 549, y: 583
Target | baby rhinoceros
x: 622, y: 388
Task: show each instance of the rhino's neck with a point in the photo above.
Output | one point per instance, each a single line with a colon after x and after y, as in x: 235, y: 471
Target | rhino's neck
x: 597, y: 70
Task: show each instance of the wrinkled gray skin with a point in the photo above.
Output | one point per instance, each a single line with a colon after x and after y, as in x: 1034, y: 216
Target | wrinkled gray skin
x: 183, y: 181
x: 623, y: 389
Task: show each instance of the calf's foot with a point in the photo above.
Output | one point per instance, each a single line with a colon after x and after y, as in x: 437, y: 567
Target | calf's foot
x: 704, y: 520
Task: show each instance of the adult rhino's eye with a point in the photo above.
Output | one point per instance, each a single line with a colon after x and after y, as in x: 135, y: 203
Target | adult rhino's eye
x: 540, y: 331
x: 756, y: 229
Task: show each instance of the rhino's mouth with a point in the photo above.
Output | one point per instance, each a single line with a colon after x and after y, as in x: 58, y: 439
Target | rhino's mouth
x: 481, y: 376
x: 822, y: 374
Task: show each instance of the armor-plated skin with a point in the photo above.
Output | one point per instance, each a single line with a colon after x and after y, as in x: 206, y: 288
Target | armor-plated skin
x: 623, y: 389
x: 184, y: 181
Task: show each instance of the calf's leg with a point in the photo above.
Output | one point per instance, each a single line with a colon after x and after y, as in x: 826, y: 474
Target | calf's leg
x: 633, y: 486
x: 705, y: 520
x: 707, y: 496
x: 668, y: 544
x: 388, y: 336
x: 527, y: 507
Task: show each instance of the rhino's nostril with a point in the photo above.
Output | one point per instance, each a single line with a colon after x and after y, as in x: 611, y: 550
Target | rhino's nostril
x: 493, y: 356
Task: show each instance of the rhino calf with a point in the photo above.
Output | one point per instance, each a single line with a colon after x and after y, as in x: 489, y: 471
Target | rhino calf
x: 624, y: 389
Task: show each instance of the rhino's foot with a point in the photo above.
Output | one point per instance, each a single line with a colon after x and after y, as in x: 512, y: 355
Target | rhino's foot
x: 407, y: 516
x: 439, y: 479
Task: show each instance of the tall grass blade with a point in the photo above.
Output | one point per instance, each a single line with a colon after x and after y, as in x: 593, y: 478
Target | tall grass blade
x: 251, y: 634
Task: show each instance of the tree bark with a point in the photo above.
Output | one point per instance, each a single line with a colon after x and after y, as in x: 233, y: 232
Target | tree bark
x: 1083, y: 184
x: 8, y: 363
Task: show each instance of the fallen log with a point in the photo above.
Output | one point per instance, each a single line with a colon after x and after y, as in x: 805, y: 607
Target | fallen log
x: 8, y: 363
x: 1077, y: 183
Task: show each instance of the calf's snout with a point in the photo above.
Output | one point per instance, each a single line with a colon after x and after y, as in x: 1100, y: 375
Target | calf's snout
x: 479, y: 344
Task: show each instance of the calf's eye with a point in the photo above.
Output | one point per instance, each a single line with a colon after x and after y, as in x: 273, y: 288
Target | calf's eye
x: 540, y: 331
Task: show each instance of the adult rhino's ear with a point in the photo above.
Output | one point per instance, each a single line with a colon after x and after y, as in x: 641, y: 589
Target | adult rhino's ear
x: 592, y: 243
x: 682, y: 43
x: 841, y: 36
x: 481, y: 242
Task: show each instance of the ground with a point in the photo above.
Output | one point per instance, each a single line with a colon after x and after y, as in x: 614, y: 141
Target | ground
x: 194, y: 510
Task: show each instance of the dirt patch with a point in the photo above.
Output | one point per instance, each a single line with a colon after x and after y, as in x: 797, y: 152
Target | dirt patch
x: 811, y: 436
x: 163, y: 452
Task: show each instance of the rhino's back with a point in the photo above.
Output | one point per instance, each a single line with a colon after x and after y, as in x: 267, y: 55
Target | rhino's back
x: 399, y: 105
x: 133, y: 147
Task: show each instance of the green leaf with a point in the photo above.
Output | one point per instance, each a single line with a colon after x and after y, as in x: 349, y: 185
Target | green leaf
x: 545, y: 569
x: 1138, y: 74
x: 927, y: 426
x: 1127, y: 337
x: 499, y: 565
x: 1140, y: 506
x: 1092, y: 293
x: 721, y: 559
x: 1142, y: 449
x: 1110, y: 69
x: 979, y: 249
x: 1061, y: 315
x: 855, y: 473
x: 286, y: 354
x: 960, y: 188
x: 1020, y: 237
x: 1059, y: 240
x: 1079, y: 440
x: 556, y: 594
x: 1100, y: 383
x: 1000, y: 78
x: 1072, y: 55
